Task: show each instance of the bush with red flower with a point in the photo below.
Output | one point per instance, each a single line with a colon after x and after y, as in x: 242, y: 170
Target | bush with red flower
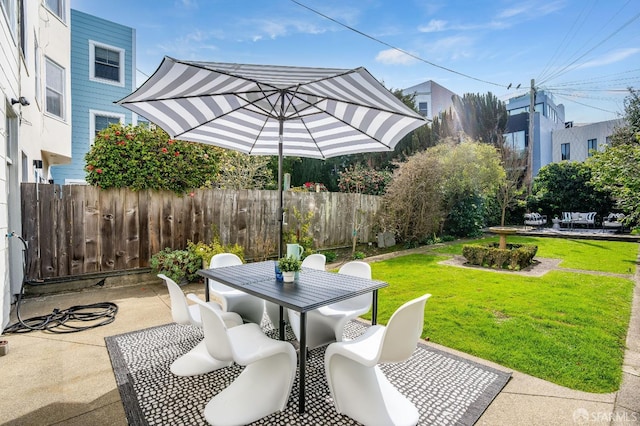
x: 137, y: 157
x: 362, y: 180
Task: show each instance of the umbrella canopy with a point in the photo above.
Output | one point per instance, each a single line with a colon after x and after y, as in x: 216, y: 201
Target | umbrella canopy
x: 274, y: 110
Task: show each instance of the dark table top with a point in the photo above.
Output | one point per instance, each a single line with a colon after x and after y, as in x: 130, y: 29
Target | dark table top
x: 312, y: 290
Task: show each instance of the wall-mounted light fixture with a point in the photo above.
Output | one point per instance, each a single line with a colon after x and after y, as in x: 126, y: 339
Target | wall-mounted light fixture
x: 37, y: 164
x: 21, y: 100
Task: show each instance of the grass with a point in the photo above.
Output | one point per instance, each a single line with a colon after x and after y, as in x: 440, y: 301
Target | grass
x: 565, y: 327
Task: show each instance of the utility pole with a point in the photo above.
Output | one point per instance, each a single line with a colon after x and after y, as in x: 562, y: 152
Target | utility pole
x: 532, y: 116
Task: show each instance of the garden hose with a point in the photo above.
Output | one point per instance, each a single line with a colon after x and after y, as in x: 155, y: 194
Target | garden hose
x: 71, y: 320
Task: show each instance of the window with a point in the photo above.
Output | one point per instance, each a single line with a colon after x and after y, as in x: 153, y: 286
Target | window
x: 36, y: 66
x: 565, y: 150
x: 22, y: 29
x: 102, y: 119
x: 592, y: 145
x: 107, y: 63
x: 57, y: 7
x: 55, y: 88
x: 423, y: 108
x: 10, y: 12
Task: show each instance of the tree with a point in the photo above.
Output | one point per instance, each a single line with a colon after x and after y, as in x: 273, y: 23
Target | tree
x: 616, y: 171
x: 511, y: 188
x: 242, y: 171
x: 483, y: 117
x: 442, y: 187
x: 627, y: 134
x: 565, y: 187
x: 141, y: 158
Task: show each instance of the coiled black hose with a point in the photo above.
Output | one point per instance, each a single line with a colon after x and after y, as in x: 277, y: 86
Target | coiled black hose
x: 70, y: 320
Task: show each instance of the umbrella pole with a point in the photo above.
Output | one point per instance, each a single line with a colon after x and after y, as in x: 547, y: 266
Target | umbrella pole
x: 280, y: 194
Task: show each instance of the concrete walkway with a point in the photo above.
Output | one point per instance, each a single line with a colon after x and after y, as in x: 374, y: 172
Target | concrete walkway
x: 53, y: 379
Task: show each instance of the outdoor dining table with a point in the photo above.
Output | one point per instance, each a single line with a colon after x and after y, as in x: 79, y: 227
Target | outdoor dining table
x: 313, y: 289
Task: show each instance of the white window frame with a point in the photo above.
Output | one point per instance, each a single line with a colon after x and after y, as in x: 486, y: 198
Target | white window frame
x: 63, y: 94
x: 93, y: 113
x: 63, y: 9
x: 10, y: 9
x: 37, y: 70
x: 92, y: 63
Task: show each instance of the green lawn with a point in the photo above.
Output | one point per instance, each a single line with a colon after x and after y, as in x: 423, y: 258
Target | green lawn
x: 565, y: 327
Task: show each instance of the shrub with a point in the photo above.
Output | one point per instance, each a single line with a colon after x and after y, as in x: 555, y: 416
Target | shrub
x: 138, y: 158
x: 206, y: 251
x: 359, y: 179
x: 515, y: 257
x: 359, y: 255
x: 331, y: 256
x: 176, y: 264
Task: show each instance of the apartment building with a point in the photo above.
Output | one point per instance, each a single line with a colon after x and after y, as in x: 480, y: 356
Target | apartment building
x: 35, y: 85
x: 102, y: 72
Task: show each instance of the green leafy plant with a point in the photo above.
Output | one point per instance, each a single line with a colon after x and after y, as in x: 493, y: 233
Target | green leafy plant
x: 362, y: 180
x: 330, y: 256
x: 289, y: 264
x: 176, y: 264
x: 359, y: 255
x: 206, y: 251
x: 300, y: 233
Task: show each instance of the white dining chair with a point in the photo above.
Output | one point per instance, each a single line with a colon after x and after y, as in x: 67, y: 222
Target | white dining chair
x: 326, y: 324
x: 358, y: 386
x: 197, y: 360
x: 264, y: 385
x: 313, y: 261
x: 250, y: 308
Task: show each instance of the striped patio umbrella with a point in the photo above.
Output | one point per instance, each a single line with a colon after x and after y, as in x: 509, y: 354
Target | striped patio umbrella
x: 274, y: 110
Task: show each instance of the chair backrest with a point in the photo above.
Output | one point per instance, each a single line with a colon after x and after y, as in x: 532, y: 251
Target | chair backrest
x: 215, y: 332
x: 403, y: 331
x: 179, y: 306
x: 218, y: 261
x: 360, y: 269
x: 224, y: 259
x: 315, y: 261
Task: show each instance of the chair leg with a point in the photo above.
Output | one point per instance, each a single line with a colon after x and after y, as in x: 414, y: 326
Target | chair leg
x: 261, y: 389
x: 364, y: 394
x: 197, y: 361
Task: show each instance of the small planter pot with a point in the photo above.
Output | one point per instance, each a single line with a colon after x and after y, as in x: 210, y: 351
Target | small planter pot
x: 4, y: 347
x: 288, y: 276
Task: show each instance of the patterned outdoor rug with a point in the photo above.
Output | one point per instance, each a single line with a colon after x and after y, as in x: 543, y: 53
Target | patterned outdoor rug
x: 448, y: 390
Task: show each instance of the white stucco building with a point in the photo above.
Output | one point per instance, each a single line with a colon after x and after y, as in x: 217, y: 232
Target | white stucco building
x: 35, y: 86
x: 574, y: 142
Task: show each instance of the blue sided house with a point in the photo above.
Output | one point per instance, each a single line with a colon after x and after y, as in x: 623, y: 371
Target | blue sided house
x: 102, y: 71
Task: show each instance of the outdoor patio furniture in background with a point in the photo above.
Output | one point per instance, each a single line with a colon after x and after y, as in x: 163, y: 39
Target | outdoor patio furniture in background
x: 197, y: 360
x: 250, y: 308
x: 265, y: 383
x: 571, y: 219
x: 613, y: 221
x: 326, y: 324
x: 358, y: 386
x: 535, y: 219
x: 316, y: 261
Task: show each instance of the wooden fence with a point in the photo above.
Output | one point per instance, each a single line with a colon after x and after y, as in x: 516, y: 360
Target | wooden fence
x: 75, y: 229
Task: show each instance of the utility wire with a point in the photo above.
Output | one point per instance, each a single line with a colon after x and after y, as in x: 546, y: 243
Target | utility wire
x: 394, y: 47
x: 567, y: 67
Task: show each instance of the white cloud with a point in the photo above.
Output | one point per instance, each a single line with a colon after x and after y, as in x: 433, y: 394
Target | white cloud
x: 393, y: 56
x: 611, y: 57
x: 433, y: 26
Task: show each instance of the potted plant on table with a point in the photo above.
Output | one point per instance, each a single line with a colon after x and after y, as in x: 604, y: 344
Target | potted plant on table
x: 289, y: 266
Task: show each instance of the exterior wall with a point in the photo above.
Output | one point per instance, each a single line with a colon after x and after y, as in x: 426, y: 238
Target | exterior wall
x: 548, y: 117
x: 438, y: 98
x: 27, y: 132
x: 578, y: 136
x: 92, y: 96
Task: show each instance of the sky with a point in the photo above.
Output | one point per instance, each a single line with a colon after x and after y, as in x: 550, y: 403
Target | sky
x: 585, y: 52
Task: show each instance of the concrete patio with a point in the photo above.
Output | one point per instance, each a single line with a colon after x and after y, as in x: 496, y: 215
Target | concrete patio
x: 67, y: 378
